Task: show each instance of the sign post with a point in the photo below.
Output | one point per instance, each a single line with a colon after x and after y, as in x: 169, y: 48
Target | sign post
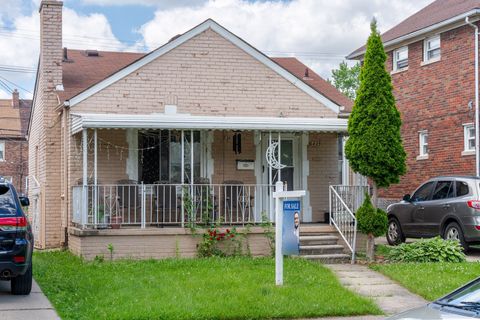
x: 279, y: 195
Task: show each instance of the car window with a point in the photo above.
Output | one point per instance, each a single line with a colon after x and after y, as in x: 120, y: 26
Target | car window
x: 442, y: 190
x: 7, y: 202
x: 423, y: 193
x: 462, y: 188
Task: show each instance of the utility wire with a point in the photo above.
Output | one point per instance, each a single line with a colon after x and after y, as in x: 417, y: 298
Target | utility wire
x: 115, y: 43
x: 16, y: 85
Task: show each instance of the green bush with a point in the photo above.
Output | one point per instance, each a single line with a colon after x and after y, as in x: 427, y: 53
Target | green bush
x: 427, y: 250
x: 371, y: 220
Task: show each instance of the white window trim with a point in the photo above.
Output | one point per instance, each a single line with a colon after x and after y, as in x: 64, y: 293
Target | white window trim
x: 421, y: 144
x: 425, y: 50
x: 466, y: 151
x: 395, y: 61
x: 2, y: 143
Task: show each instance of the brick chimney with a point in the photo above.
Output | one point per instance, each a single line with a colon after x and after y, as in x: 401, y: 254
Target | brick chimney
x: 15, y: 99
x: 51, y: 52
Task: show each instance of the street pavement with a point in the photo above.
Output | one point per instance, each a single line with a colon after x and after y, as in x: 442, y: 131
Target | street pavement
x: 35, y: 306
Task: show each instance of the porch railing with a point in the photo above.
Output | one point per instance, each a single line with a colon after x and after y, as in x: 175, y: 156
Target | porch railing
x: 344, y: 202
x: 103, y: 206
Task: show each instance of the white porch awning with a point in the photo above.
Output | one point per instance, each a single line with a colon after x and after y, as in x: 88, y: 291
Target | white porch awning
x: 189, y: 122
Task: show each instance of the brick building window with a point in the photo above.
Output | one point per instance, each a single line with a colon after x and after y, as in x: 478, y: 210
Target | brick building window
x: 468, y: 137
x: 2, y: 150
x: 400, y: 58
x: 431, y: 49
x: 423, y: 143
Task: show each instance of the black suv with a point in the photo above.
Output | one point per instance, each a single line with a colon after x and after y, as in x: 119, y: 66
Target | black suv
x: 16, y: 240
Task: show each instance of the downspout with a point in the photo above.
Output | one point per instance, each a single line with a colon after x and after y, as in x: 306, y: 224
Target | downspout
x: 477, y: 159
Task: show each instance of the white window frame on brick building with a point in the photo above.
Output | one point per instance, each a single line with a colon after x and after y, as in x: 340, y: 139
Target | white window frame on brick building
x: 400, y: 59
x: 423, y: 145
x: 2, y: 151
x: 432, y: 49
x: 468, y: 138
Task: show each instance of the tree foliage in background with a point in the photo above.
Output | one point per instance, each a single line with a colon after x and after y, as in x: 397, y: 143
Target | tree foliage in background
x: 346, y: 79
x: 374, y: 147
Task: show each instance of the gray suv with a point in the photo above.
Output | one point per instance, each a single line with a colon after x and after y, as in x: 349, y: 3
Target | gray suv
x: 445, y: 206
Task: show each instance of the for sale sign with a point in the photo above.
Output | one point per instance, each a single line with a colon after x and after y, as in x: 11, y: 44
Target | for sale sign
x: 291, y: 227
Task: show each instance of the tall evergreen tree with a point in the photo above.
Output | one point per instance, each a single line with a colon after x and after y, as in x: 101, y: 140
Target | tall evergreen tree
x: 374, y: 147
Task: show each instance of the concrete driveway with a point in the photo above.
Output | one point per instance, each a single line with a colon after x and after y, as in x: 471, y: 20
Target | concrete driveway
x: 34, y: 306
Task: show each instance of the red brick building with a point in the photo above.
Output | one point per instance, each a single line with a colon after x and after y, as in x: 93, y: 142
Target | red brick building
x: 431, y: 58
x: 14, y: 118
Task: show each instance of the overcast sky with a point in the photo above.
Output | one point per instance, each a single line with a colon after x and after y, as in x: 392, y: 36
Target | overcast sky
x: 318, y: 32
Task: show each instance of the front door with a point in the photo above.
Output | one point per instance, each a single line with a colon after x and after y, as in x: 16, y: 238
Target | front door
x: 291, y: 173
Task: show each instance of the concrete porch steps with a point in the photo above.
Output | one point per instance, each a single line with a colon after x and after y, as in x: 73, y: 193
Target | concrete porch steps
x: 321, y: 242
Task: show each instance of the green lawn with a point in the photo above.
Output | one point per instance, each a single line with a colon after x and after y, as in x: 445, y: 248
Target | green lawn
x: 430, y: 280
x: 213, y: 288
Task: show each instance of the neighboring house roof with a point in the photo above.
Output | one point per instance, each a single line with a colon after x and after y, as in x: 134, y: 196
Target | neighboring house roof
x: 436, y: 14
x: 118, y: 65
x: 82, y: 71
x: 14, y: 121
x: 315, y: 81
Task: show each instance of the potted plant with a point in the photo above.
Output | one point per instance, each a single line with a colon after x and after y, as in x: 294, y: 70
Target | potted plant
x: 116, y: 220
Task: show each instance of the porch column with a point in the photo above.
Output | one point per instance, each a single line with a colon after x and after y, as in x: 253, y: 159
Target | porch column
x: 279, y: 174
x: 95, y: 181
x: 85, y: 176
x: 270, y: 202
x: 191, y: 178
x: 182, y: 175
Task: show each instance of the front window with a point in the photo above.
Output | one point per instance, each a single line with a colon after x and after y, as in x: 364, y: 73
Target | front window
x: 400, y: 58
x: 423, y: 193
x: 432, y: 48
x: 423, y: 142
x: 2, y: 150
x: 160, y: 156
x: 469, y: 137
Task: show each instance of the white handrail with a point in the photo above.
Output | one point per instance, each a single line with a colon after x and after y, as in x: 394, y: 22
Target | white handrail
x: 342, y: 216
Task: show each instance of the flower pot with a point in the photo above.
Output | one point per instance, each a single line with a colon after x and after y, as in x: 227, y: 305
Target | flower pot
x: 116, y: 222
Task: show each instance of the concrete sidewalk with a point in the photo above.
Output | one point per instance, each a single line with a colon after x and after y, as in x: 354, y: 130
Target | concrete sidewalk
x: 387, y: 294
x: 34, y: 306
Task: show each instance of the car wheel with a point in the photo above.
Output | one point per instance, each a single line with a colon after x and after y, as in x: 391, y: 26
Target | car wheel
x: 395, y: 235
x: 454, y: 232
x: 22, y: 285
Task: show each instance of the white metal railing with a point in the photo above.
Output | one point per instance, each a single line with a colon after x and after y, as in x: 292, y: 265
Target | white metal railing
x: 344, y: 201
x: 104, y: 206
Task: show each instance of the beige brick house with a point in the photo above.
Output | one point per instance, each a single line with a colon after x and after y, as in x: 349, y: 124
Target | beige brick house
x: 152, y: 143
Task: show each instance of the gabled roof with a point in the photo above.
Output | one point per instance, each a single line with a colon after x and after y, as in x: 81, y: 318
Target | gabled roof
x: 120, y: 65
x: 437, y: 14
x: 82, y: 72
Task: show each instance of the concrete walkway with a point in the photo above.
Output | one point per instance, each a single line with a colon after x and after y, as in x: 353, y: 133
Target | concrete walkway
x: 387, y: 294
x: 34, y: 306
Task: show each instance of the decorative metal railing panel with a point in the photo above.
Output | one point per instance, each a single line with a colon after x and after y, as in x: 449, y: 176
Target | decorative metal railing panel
x: 104, y: 206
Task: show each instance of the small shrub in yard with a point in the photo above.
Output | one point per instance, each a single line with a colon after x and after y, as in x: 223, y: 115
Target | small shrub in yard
x: 371, y: 221
x: 427, y: 250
